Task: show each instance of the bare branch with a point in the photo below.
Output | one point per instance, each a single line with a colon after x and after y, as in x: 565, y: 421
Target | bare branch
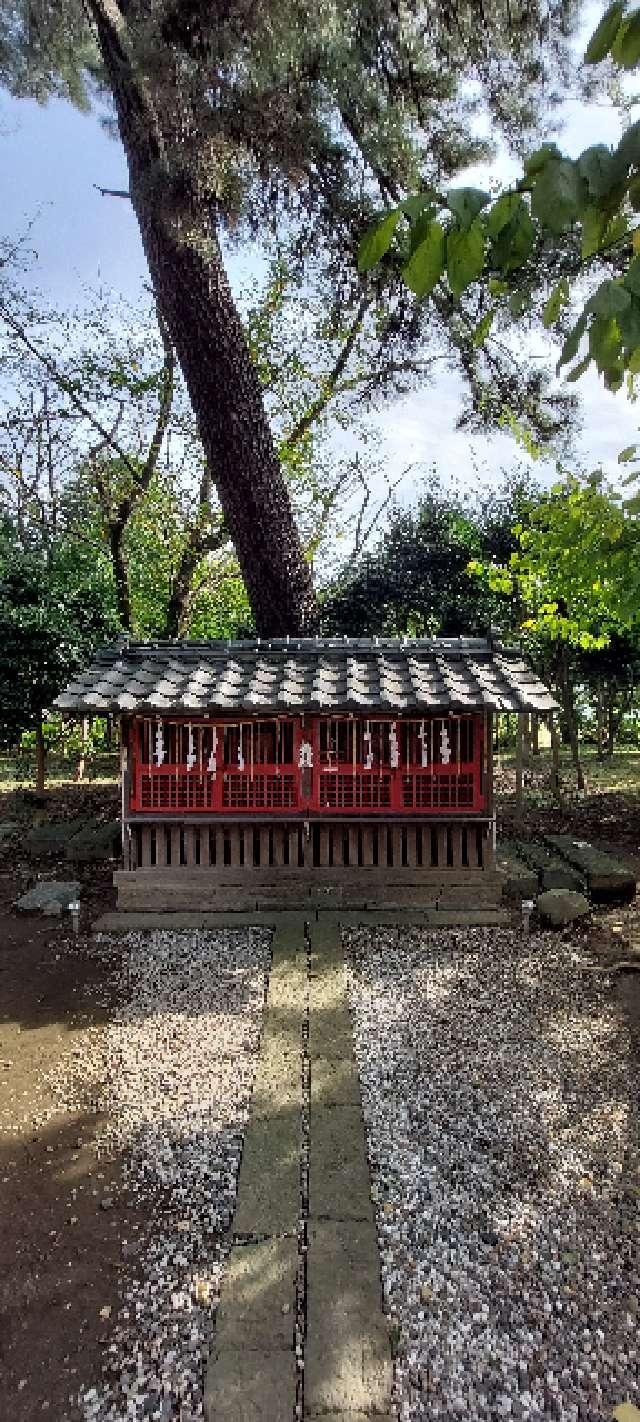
x: 391, y: 488
x: 113, y: 192
x: 63, y: 384
x: 145, y: 475
x: 330, y: 382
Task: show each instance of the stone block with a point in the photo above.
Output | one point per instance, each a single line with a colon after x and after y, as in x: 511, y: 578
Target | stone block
x: 558, y: 907
x: 608, y: 879
x: 49, y: 891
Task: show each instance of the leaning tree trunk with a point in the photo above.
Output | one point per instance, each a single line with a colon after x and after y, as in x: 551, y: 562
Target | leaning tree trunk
x: 159, y: 134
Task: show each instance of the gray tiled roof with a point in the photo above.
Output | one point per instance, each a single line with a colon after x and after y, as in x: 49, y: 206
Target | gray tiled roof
x: 307, y: 674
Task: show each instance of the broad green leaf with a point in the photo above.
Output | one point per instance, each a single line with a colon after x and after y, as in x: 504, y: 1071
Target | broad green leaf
x: 600, y: 169
x: 559, y: 194
x: 536, y: 161
x: 605, y: 344
x: 426, y: 264
x: 502, y: 212
x: 483, y: 328
x: 627, y: 454
x: 625, y: 49
x: 420, y: 229
x: 465, y: 256
x: 579, y: 369
x: 593, y: 224
x: 629, y: 323
x: 634, y: 363
x: 603, y: 37
x: 634, y: 194
x: 609, y: 299
x: 553, y: 306
x: 572, y: 343
x: 519, y: 302
x: 628, y: 150
x: 513, y: 243
x: 377, y: 241
x: 466, y: 203
x: 631, y: 278
x: 413, y: 207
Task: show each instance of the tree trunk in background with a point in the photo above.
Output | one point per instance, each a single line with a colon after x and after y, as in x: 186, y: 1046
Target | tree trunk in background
x: 519, y: 748
x: 535, y: 733
x: 611, y: 725
x: 600, y: 719
x: 555, y: 757
x: 84, y: 738
x: 41, y: 756
x: 121, y: 574
x: 194, y: 297
x: 569, y: 712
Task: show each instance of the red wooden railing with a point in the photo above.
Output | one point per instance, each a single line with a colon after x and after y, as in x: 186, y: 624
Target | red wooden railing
x: 333, y: 785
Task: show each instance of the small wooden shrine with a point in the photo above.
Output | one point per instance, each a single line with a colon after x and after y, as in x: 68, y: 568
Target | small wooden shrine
x: 303, y: 762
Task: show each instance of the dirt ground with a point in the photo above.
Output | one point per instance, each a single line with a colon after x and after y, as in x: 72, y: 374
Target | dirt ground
x: 62, y: 1258
x: 60, y: 1249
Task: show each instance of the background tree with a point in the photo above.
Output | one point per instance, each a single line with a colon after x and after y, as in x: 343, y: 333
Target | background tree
x: 314, y: 118
x: 574, y: 579
x: 416, y: 581
x: 51, y: 618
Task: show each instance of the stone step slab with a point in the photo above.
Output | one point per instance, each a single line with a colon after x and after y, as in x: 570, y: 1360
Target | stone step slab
x: 553, y: 871
x: 608, y: 879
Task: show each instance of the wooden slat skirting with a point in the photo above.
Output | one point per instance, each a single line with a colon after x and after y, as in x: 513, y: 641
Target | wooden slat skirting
x: 313, y: 848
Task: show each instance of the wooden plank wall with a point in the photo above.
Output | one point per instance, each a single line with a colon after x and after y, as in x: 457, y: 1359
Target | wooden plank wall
x: 452, y: 846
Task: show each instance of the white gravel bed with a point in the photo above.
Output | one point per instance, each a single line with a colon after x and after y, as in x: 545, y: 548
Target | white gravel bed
x: 500, y: 1100
x: 177, y: 1062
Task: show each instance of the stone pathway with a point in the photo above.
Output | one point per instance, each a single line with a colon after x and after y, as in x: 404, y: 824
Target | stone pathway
x: 300, y: 1330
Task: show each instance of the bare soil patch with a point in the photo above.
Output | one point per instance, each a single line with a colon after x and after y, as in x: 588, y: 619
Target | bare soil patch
x: 60, y: 1250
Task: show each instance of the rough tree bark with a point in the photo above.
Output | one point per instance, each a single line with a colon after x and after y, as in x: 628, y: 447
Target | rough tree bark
x: 157, y: 129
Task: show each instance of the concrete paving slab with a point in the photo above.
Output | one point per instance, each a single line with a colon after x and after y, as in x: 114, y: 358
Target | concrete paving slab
x: 348, y: 1364
x: 257, y: 1310
x: 339, y: 1174
x: 269, y: 1181
x: 334, y: 1082
x: 250, y: 1386
x: 350, y: 1416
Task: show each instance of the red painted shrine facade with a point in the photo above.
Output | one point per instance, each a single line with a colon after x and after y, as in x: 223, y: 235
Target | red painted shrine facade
x: 309, y: 765
x: 260, y: 762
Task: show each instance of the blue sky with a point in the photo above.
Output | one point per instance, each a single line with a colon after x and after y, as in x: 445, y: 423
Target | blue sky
x: 50, y: 159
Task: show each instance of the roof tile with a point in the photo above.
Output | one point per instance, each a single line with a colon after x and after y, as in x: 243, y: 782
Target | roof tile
x: 332, y: 674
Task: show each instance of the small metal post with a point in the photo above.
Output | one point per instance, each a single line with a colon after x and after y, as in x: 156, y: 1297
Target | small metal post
x: 74, y: 910
x: 527, y: 910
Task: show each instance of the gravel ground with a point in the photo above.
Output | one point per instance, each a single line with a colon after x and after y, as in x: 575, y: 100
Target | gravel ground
x: 500, y: 1098
x: 177, y: 1064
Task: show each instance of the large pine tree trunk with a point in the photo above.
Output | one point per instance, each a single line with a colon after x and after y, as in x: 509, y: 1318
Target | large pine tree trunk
x: 159, y: 134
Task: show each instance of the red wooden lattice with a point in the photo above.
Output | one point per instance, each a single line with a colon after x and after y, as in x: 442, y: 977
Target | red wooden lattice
x: 352, y: 772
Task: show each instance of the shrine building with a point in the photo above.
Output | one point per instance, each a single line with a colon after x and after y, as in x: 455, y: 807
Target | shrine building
x: 257, y: 770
